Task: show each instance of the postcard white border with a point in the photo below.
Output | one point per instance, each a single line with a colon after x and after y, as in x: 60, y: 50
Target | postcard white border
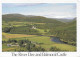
x: 69, y: 54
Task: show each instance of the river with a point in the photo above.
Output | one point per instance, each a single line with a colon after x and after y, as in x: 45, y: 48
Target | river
x: 57, y: 40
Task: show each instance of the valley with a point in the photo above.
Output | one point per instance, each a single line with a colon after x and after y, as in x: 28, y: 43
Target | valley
x: 34, y: 33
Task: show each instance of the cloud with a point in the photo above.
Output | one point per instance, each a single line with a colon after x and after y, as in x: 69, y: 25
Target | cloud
x: 50, y: 10
x: 28, y: 4
x: 20, y: 4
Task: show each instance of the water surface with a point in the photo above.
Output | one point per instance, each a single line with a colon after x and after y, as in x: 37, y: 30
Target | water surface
x: 57, y: 40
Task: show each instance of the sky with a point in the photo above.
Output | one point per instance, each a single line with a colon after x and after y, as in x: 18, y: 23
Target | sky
x: 49, y: 10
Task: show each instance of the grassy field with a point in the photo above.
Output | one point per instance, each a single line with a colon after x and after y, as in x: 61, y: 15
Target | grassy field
x: 43, y: 41
x: 8, y: 36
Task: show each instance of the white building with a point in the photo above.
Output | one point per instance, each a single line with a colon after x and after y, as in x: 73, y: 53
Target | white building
x: 33, y: 27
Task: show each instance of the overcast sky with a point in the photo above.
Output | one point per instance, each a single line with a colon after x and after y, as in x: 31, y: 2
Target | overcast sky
x: 55, y: 10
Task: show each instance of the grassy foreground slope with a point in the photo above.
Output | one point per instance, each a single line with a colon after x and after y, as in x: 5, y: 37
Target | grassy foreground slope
x: 43, y: 41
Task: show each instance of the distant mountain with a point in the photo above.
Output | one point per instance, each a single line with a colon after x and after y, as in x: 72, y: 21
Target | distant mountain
x: 13, y: 15
x: 65, y: 20
x: 28, y: 18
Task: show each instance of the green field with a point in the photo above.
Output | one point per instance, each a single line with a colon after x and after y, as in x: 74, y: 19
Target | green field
x: 43, y: 41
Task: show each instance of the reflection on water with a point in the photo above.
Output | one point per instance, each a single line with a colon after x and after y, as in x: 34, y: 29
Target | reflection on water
x: 57, y: 40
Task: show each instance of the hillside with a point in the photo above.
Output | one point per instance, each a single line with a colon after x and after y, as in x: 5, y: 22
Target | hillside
x: 66, y: 20
x: 19, y: 17
x: 29, y: 32
x: 66, y: 33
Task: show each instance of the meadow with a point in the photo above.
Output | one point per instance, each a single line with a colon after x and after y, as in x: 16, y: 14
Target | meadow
x: 43, y: 41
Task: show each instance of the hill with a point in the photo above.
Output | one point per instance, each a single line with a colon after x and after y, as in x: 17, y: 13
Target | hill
x: 29, y: 18
x: 27, y: 33
x: 66, y: 33
x: 65, y: 20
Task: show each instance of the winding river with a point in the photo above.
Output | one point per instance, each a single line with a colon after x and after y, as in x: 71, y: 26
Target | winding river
x: 57, y: 40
